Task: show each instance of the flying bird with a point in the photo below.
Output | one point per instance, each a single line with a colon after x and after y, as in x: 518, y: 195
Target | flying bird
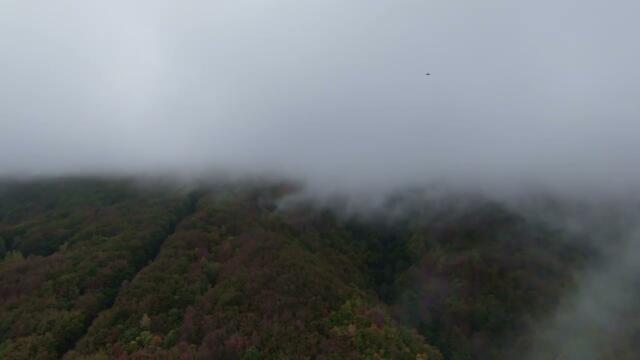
x: 428, y: 74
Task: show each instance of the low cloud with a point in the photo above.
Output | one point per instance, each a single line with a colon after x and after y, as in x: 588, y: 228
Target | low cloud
x: 332, y: 93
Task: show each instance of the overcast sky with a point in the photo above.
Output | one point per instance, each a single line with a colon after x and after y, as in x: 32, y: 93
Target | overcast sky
x: 332, y: 91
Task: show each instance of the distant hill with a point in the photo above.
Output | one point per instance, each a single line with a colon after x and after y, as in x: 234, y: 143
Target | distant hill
x: 110, y: 268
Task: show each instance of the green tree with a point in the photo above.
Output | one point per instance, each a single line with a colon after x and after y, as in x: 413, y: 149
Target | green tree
x: 3, y: 248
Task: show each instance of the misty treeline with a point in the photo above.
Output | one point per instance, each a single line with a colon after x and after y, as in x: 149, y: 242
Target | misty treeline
x: 117, y: 268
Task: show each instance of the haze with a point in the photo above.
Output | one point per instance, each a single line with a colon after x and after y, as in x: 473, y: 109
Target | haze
x: 330, y: 91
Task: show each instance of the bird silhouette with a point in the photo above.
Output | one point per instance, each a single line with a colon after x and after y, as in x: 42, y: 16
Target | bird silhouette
x: 428, y: 74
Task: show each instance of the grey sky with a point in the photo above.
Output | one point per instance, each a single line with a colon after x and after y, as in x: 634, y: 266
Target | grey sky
x: 333, y: 91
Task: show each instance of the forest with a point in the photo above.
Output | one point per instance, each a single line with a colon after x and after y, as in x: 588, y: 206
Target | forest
x: 116, y: 268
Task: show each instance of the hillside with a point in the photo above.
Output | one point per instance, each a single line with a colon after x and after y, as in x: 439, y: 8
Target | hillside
x: 112, y: 268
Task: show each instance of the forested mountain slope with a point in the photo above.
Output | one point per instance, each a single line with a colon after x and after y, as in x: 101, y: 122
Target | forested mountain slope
x: 99, y: 268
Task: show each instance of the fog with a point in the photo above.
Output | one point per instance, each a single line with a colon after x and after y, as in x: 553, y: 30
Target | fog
x: 534, y: 95
x: 596, y: 319
x: 330, y: 92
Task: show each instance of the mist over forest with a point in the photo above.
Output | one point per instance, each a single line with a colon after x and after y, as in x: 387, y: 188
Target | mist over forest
x: 276, y: 179
x: 332, y: 92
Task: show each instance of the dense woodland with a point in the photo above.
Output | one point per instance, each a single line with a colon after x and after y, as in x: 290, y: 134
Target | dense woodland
x: 115, y: 268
